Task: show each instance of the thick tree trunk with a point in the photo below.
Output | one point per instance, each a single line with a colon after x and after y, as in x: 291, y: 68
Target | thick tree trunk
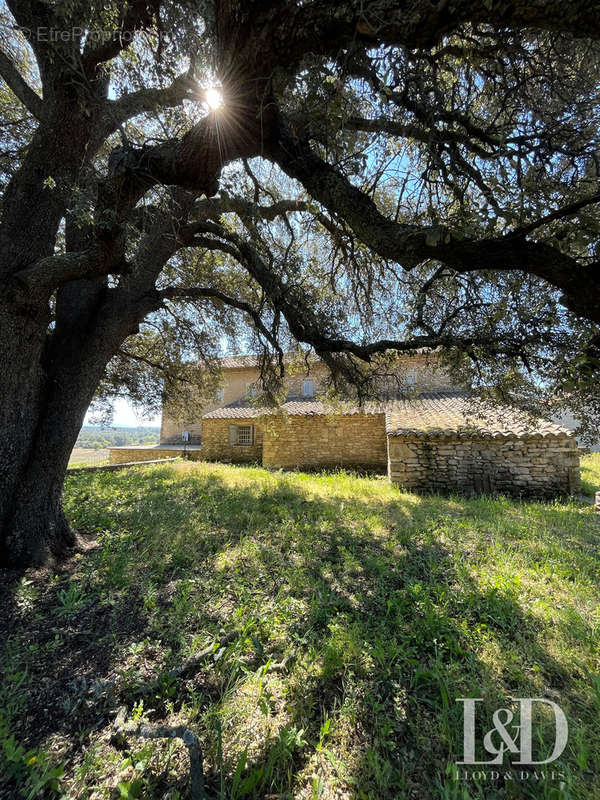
x: 47, y: 385
x: 35, y: 445
x: 39, y: 532
x: 33, y: 528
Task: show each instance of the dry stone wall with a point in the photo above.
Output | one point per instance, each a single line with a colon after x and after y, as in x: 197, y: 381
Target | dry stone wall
x: 525, y: 467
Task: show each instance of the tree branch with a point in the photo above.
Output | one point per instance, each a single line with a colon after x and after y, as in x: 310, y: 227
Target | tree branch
x: 300, y: 315
x: 40, y: 280
x: 19, y: 86
x: 145, y: 100
x: 195, y: 293
x: 319, y: 28
x: 559, y: 213
x: 135, y: 15
x: 187, y: 736
x: 410, y: 245
x: 403, y: 130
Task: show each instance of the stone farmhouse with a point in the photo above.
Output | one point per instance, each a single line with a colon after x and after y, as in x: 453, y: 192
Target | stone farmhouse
x: 437, y: 438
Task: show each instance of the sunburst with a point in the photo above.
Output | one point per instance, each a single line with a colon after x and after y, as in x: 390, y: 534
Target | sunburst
x: 213, y: 96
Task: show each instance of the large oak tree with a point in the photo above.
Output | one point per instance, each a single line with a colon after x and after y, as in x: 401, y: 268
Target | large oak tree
x: 381, y: 176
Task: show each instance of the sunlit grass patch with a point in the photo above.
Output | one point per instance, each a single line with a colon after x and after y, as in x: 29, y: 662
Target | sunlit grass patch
x: 343, y: 619
x: 590, y: 473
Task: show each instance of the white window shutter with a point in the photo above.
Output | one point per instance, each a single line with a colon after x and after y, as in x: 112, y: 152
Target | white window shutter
x: 233, y: 438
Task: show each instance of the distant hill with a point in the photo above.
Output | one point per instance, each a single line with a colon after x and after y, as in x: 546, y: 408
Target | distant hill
x: 95, y: 437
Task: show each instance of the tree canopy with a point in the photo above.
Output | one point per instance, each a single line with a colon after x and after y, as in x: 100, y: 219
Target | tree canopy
x: 365, y: 178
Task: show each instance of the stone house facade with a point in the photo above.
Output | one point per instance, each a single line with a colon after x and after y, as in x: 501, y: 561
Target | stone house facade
x: 436, y: 439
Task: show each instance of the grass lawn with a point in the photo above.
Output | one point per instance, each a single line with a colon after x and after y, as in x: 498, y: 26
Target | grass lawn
x: 590, y: 473
x: 345, y: 618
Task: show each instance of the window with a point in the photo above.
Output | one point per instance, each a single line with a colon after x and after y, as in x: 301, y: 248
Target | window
x: 308, y: 389
x: 244, y: 434
x: 410, y: 378
x: 241, y: 434
x: 252, y: 390
x: 220, y: 395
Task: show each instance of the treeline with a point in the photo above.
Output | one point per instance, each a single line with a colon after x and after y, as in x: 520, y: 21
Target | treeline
x: 93, y: 437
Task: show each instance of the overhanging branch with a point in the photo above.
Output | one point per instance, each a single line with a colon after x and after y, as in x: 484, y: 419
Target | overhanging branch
x: 19, y: 86
x: 200, y: 293
x: 410, y: 245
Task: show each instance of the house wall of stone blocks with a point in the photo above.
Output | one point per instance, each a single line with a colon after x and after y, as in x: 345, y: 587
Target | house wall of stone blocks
x: 526, y: 467
x: 235, y: 386
x: 424, y: 370
x: 351, y: 440
x: 216, y: 445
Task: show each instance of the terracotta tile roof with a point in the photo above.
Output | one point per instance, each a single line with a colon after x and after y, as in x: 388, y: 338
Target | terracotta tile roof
x: 238, y: 362
x: 429, y: 414
x: 241, y: 362
x: 309, y: 408
x: 235, y: 411
x: 451, y: 413
x: 294, y: 407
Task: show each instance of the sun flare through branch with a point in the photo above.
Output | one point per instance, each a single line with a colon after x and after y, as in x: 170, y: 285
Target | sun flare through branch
x: 213, y: 97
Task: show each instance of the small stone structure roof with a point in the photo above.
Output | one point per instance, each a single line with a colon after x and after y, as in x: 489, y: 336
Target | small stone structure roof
x: 426, y: 415
x: 236, y: 411
x: 455, y: 413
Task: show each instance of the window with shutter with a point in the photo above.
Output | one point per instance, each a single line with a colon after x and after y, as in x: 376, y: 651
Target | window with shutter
x: 241, y: 434
x: 245, y: 434
x: 308, y: 389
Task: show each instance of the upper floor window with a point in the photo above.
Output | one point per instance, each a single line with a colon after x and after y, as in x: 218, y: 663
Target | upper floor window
x: 220, y: 394
x: 410, y: 378
x: 308, y: 389
x: 252, y: 390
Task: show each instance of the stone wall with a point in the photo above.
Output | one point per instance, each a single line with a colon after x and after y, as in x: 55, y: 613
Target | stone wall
x: 123, y: 455
x: 353, y: 440
x: 235, y: 387
x: 216, y: 446
x: 527, y: 467
x: 424, y: 370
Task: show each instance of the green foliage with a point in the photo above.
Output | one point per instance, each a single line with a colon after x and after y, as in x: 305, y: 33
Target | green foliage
x: 32, y: 771
x: 94, y: 437
x: 590, y: 474
x: 342, y: 618
x: 70, y: 601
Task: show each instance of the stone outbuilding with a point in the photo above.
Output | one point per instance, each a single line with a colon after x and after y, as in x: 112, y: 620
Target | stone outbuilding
x: 448, y: 442
x: 301, y: 434
x: 436, y: 441
x: 439, y: 438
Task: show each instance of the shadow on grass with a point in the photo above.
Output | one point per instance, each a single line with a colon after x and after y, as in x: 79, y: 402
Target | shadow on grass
x: 375, y: 603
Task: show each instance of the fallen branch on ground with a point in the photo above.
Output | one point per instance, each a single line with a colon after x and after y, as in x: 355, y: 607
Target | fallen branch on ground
x: 188, y: 737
